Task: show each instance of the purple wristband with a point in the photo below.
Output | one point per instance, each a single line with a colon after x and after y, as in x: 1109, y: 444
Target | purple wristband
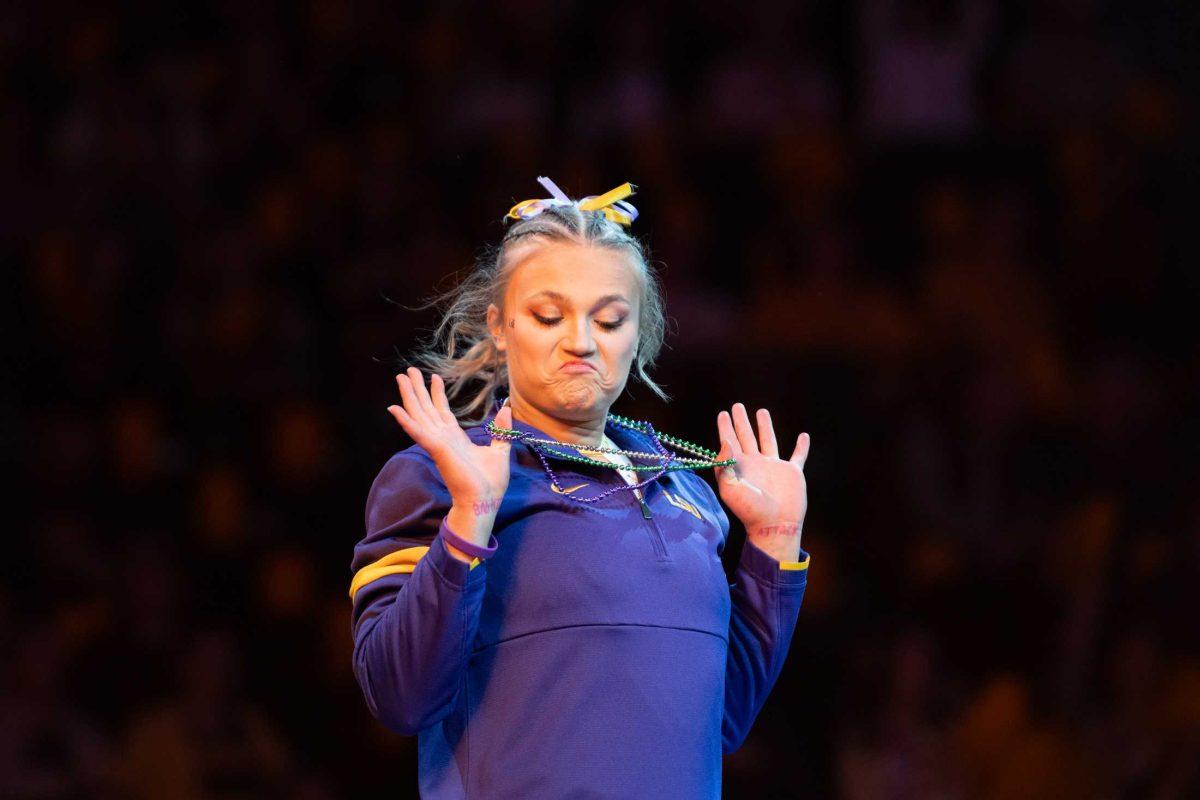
x: 470, y: 548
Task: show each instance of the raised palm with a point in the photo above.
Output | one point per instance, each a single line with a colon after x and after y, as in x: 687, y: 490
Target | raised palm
x: 472, y: 473
x: 761, y: 489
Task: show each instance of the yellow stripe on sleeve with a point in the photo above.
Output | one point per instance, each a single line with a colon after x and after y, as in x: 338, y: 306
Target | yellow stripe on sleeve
x: 795, y: 564
x: 398, y: 562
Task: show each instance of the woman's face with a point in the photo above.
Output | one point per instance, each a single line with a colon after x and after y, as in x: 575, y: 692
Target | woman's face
x: 569, y: 303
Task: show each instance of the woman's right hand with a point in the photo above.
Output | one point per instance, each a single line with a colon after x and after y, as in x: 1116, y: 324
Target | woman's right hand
x: 476, y: 475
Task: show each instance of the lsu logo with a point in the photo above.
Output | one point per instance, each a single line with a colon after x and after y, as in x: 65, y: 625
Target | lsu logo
x: 679, y: 502
x: 568, y: 490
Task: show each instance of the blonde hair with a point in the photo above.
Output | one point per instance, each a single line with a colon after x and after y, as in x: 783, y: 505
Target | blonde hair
x: 461, y: 348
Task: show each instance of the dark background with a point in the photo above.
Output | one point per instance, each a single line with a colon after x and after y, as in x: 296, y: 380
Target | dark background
x: 948, y: 239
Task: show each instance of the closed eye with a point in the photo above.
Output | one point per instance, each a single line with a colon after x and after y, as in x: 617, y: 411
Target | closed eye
x: 550, y: 322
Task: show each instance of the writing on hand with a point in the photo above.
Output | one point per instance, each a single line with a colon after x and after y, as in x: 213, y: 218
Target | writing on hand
x: 784, y: 529
x: 483, y: 507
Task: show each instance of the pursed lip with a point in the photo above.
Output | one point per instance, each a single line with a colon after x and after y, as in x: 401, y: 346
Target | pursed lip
x: 574, y: 366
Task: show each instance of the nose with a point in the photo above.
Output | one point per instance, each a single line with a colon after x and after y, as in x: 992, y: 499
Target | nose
x: 579, y: 342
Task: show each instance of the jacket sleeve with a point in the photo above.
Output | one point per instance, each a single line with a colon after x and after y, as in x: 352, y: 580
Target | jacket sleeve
x: 415, y: 607
x: 765, y: 599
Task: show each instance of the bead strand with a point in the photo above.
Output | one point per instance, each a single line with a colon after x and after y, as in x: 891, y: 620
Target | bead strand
x: 672, y: 462
x: 709, y: 457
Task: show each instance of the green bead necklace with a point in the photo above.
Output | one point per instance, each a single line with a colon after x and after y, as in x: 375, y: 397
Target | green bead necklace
x: 707, y: 458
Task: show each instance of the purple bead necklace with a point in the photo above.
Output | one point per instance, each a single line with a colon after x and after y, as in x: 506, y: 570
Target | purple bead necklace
x: 624, y: 487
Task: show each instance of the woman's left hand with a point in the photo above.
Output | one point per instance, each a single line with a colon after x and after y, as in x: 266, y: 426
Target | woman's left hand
x: 767, y: 494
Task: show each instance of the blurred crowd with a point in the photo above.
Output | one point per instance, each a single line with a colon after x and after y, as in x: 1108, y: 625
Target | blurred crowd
x: 946, y: 238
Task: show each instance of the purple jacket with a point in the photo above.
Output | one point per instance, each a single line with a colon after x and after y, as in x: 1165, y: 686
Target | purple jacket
x: 600, y: 652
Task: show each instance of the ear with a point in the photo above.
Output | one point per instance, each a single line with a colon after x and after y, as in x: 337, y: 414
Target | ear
x: 495, y: 323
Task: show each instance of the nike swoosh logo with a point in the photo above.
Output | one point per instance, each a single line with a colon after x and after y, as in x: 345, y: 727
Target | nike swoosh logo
x: 556, y: 490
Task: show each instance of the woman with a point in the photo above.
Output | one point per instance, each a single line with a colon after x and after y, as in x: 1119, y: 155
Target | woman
x: 548, y: 628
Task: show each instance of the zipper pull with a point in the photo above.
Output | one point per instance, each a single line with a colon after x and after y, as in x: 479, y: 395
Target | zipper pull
x: 645, y: 508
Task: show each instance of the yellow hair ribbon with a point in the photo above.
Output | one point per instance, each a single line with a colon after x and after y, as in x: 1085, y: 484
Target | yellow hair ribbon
x: 611, y: 203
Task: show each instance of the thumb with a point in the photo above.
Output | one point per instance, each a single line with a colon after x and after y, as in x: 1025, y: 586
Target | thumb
x: 725, y: 452
x: 503, y: 419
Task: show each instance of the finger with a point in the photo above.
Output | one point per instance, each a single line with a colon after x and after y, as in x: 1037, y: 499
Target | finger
x: 440, y: 402
x: 745, y: 431
x: 421, y: 392
x: 411, y: 404
x: 800, y: 454
x: 766, y: 434
x: 401, y: 416
x: 728, y: 435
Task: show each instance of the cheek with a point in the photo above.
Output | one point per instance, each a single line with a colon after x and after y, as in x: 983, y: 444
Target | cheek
x: 532, y: 347
x: 621, y: 349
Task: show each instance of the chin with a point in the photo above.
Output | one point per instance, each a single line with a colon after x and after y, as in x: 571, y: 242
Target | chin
x: 581, y: 397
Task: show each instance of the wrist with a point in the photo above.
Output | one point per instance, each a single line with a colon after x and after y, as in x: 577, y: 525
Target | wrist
x: 477, y: 505
x: 459, y: 554
x: 472, y: 520
x: 465, y: 549
x: 780, y: 539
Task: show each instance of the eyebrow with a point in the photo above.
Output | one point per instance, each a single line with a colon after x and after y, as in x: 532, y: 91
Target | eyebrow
x: 603, y: 301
